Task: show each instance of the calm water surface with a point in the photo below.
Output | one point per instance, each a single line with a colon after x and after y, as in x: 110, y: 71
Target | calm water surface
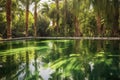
x: 60, y: 60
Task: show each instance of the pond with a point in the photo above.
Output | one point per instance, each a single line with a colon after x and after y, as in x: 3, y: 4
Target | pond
x: 60, y: 60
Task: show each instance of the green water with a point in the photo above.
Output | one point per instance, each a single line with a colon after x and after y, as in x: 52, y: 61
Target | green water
x: 60, y: 60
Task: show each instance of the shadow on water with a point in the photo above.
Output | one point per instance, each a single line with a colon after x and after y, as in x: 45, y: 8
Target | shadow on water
x: 60, y: 60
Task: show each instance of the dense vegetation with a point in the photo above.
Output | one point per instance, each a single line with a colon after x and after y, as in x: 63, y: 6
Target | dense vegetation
x: 59, y: 18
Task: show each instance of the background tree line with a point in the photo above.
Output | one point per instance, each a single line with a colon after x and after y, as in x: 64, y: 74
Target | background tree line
x: 59, y: 18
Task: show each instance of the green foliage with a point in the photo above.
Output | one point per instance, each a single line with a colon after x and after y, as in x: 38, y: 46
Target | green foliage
x: 2, y: 24
x: 19, y: 24
x: 72, y: 13
x: 42, y: 26
x: 88, y: 24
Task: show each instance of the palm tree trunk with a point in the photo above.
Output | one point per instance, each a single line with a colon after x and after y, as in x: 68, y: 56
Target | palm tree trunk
x: 65, y: 17
x: 77, y: 30
x: 8, y: 18
x: 115, y: 26
x: 27, y: 16
x: 98, y: 19
x: 35, y: 19
x: 57, y: 21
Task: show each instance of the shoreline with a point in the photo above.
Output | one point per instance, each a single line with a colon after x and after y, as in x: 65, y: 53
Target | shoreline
x: 63, y: 38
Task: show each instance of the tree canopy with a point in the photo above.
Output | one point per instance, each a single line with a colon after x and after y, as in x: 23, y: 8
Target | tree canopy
x: 59, y: 18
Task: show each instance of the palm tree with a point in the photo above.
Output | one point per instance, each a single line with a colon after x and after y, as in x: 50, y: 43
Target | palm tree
x: 35, y: 18
x: 27, y: 16
x: 97, y: 8
x: 76, y: 11
x: 65, y: 16
x: 116, y: 16
x: 45, y: 9
x: 57, y: 15
x: 8, y: 18
x: 26, y: 3
x: 110, y: 12
x: 50, y: 12
x: 57, y: 21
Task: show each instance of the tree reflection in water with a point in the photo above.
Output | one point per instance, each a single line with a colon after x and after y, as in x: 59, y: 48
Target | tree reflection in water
x: 76, y: 65
x: 60, y: 60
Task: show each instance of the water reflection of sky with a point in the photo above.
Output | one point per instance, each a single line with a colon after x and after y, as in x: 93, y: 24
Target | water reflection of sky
x: 44, y: 72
